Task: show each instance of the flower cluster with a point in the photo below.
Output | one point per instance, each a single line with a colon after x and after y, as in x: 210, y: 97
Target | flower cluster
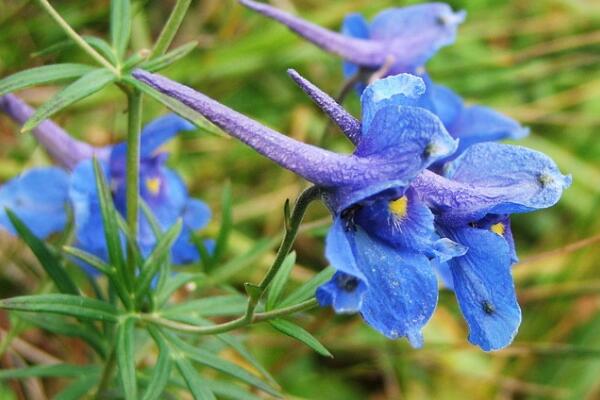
x: 395, y: 222
x: 40, y: 196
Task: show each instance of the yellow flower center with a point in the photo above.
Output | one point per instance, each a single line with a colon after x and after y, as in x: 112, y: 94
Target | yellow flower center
x: 399, y: 207
x: 153, y: 185
x: 498, y: 228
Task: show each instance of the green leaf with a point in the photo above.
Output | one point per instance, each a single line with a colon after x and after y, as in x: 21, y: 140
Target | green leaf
x: 239, y: 347
x: 226, y: 222
x: 182, y: 110
x: 193, y: 380
x: 55, y: 370
x: 47, y: 259
x: 109, y: 219
x: 280, y: 280
x: 299, y: 333
x: 233, y: 267
x: 83, y: 87
x: 126, y: 357
x: 161, y: 371
x: 58, y: 325
x: 78, y: 389
x: 174, y: 283
x: 308, y: 288
x: 159, y: 254
x: 42, y: 75
x: 120, y: 25
x: 90, y: 259
x: 64, y: 304
x: 210, y: 360
x: 171, y: 57
x: 209, y: 307
x: 98, y: 44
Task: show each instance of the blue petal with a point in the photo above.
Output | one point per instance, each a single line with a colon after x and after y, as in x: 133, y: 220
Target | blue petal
x: 39, y: 198
x: 346, y: 290
x: 444, y: 103
x: 410, y: 227
x: 399, y: 90
x: 197, y: 214
x: 402, y: 289
x: 484, y: 288
x: 343, y: 292
x: 184, y: 251
x: 160, y: 130
x: 525, y: 179
x: 502, y: 225
x: 413, y: 34
x: 405, y: 136
x: 445, y: 249
x: 482, y: 124
x: 89, y: 226
x: 354, y: 26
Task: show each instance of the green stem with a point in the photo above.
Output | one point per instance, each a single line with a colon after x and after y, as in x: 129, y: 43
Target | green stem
x: 76, y: 38
x: 107, y: 373
x: 234, y: 324
x: 170, y: 29
x: 291, y: 230
x: 134, y: 100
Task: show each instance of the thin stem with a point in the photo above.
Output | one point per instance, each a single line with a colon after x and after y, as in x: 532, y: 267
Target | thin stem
x: 234, y: 324
x: 134, y: 99
x: 291, y: 230
x: 76, y: 38
x: 107, y: 373
x: 170, y: 29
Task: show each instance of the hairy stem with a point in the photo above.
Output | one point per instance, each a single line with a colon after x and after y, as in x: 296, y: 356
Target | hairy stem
x: 76, y: 38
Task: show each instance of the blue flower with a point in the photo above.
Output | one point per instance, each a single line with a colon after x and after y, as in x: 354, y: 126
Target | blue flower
x: 401, y: 39
x: 394, y: 220
x: 39, y: 198
x: 160, y: 187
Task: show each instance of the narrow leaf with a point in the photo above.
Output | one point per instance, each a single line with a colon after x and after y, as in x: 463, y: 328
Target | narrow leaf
x: 158, y: 255
x: 174, y: 283
x: 126, y: 357
x: 83, y: 87
x: 98, y: 44
x: 210, y: 360
x: 59, y: 326
x: 47, y: 259
x: 226, y: 222
x: 299, y: 333
x: 55, y: 370
x: 308, y: 288
x: 78, y: 389
x: 65, y: 304
x: 161, y: 371
x: 120, y: 25
x: 280, y: 280
x: 90, y: 259
x: 193, y: 380
x: 42, y: 75
x: 171, y: 57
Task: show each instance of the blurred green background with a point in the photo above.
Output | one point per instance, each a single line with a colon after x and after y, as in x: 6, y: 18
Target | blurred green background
x: 538, y: 61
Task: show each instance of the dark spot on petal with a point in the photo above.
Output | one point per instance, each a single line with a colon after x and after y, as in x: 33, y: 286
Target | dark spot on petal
x: 347, y: 283
x: 488, y: 307
x: 348, y: 216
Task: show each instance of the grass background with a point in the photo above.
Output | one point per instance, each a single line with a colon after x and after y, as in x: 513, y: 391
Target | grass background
x: 536, y: 61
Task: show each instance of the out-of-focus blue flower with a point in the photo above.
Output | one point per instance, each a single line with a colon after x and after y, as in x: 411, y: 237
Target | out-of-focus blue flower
x: 394, y: 220
x: 160, y: 187
x: 39, y: 198
x: 401, y: 39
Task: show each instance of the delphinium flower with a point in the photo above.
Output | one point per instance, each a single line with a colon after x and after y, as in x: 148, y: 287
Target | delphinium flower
x: 394, y: 220
x: 400, y: 40
x: 160, y: 187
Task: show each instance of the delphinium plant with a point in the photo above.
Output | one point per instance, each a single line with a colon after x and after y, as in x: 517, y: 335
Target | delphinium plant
x: 425, y: 194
